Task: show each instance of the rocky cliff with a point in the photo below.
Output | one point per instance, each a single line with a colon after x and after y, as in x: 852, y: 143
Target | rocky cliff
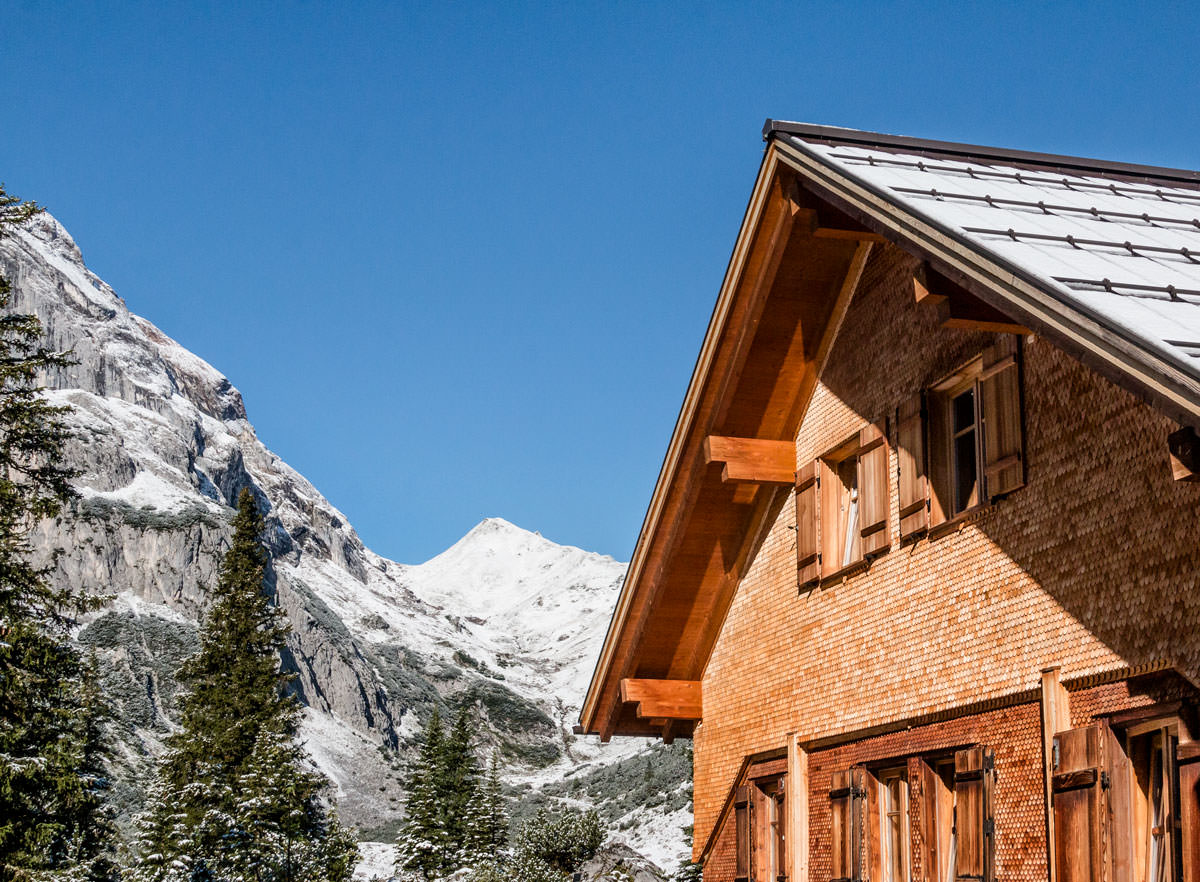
x: 504, y: 621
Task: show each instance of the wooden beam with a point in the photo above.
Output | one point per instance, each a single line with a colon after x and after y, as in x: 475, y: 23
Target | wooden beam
x: 1184, y: 449
x: 752, y: 460
x: 853, y: 235
x: 662, y: 700
x: 808, y: 222
x: 959, y: 308
x: 1056, y: 716
x: 796, y: 796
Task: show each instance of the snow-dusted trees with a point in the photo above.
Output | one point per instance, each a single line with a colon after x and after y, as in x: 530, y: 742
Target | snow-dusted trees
x: 486, y: 834
x: 51, y: 778
x: 453, y: 819
x: 236, y: 797
x: 550, y: 847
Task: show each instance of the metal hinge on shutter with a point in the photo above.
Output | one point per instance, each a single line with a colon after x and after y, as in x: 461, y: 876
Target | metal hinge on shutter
x: 1104, y: 782
x: 989, y: 827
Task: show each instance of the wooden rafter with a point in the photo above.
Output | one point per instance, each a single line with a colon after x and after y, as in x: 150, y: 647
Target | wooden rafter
x: 957, y: 307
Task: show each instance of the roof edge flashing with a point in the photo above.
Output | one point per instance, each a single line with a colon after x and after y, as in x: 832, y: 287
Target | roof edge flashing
x: 1101, y: 167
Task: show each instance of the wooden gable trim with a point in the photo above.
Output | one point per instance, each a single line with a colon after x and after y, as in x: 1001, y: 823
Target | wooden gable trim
x: 1002, y: 285
x: 634, y: 598
x: 774, y: 219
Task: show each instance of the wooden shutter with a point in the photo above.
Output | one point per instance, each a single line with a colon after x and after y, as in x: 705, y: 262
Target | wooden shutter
x: 873, y: 495
x: 847, y: 804
x: 974, y: 827
x: 808, y: 523
x: 743, y: 830
x: 1090, y: 794
x: 1187, y: 761
x: 936, y: 812
x: 1000, y: 407
x: 910, y: 465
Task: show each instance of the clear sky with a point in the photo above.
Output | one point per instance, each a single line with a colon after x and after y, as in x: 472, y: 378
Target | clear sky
x: 459, y: 258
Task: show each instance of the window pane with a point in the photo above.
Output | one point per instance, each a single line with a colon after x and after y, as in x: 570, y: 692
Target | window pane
x: 966, y: 478
x: 964, y: 411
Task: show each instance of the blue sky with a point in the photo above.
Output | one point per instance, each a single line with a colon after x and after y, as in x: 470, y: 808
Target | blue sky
x: 459, y: 258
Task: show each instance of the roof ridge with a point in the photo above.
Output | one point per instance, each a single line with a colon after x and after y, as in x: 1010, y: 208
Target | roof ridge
x: 1100, y: 167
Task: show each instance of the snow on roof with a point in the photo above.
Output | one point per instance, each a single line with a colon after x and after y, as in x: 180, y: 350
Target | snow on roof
x: 1124, y: 248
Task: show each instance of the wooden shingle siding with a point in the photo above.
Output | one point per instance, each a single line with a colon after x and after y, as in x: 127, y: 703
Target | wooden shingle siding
x: 1092, y: 564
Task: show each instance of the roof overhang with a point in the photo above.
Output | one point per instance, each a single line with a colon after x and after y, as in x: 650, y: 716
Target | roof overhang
x: 793, y: 262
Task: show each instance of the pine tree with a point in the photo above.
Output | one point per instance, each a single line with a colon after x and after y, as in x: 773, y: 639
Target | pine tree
x: 422, y: 845
x: 52, y: 819
x: 487, y: 821
x: 459, y: 787
x: 236, y: 797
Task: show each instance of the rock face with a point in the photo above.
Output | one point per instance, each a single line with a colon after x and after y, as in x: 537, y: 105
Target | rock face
x: 504, y: 621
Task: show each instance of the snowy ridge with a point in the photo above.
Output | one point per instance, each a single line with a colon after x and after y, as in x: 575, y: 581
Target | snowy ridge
x: 504, y: 619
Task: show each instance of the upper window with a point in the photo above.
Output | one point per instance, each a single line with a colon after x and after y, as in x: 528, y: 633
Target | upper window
x: 842, y: 506
x: 960, y: 444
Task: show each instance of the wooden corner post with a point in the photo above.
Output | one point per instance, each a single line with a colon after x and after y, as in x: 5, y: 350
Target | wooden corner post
x: 1056, y: 716
x: 797, y: 810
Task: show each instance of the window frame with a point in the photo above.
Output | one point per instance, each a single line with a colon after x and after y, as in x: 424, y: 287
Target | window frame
x: 834, y: 501
x: 941, y: 436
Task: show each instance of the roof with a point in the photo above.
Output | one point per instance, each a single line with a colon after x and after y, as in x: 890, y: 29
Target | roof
x: 1119, y: 243
x: 1102, y: 258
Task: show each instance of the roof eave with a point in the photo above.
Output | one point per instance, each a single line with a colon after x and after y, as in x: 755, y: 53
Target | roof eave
x: 1099, y: 167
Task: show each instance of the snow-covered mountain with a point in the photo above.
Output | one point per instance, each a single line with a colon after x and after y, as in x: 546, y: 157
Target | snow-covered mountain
x: 504, y: 621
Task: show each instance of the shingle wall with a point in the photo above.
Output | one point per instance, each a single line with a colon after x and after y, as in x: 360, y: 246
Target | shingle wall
x: 1092, y: 565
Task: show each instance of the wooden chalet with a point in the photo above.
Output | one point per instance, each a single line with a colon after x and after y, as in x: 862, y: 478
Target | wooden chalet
x: 919, y: 576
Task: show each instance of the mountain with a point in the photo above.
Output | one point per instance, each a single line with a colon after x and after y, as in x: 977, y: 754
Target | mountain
x: 504, y: 621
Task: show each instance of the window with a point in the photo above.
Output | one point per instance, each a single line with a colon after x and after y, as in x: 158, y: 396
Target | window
x: 960, y: 443
x: 896, y: 837
x: 1125, y: 802
x: 842, y: 544
x: 842, y: 507
x: 759, y: 822
x: 871, y: 820
x: 1155, y: 804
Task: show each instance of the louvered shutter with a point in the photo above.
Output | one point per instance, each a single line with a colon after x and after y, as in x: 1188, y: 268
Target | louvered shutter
x: 1090, y: 794
x: 742, y: 831
x: 1000, y: 406
x: 910, y: 465
x: 808, y: 526
x: 1187, y: 760
x: 847, y: 804
x: 936, y: 813
x: 873, y: 493
x: 974, y: 827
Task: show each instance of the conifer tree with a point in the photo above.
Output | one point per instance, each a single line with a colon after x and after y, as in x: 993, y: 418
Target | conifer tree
x: 236, y: 797
x: 421, y: 847
x: 52, y: 821
x: 459, y: 787
x: 487, y: 821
